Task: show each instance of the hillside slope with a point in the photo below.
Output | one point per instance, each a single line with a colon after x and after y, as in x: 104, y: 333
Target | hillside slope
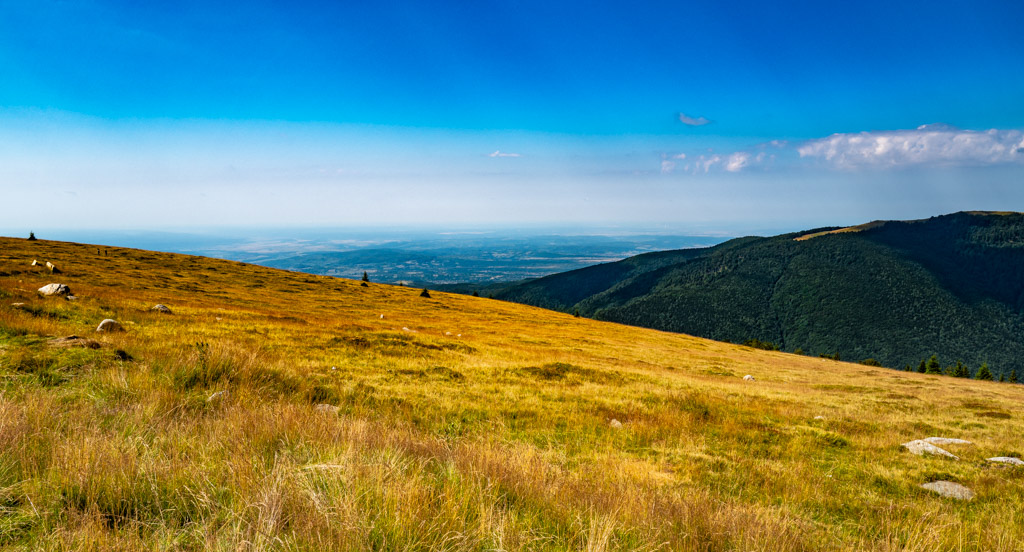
x: 277, y: 410
x: 895, y: 291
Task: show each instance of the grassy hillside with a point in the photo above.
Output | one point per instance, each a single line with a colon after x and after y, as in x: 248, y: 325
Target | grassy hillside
x: 370, y: 418
x: 896, y: 291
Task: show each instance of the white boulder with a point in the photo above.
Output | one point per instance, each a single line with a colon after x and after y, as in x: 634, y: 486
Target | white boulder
x: 1007, y: 460
x: 949, y: 489
x: 55, y: 289
x: 110, y: 325
x: 921, y: 447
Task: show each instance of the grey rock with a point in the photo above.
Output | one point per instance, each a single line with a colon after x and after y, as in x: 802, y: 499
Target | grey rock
x: 615, y: 424
x: 949, y: 489
x: 921, y: 447
x: 1007, y: 460
x: 748, y: 377
x: 110, y: 325
x: 55, y: 289
x: 162, y: 309
x: 947, y: 441
x: 219, y: 395
x: 326, y: 408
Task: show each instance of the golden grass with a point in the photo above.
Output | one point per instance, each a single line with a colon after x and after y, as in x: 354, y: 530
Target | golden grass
x: 462, y: 423
x: 848, y: 229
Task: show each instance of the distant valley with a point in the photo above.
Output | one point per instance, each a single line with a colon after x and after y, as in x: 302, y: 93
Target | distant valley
x: 418, y: 257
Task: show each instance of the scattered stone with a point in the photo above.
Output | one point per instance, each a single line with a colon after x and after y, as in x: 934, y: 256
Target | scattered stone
x: 921, y: 447
x: 55, y: 289
x: 819, y: 417
x: 53, y: 268
x: 218, y: 395
x: 74, y: 341
x: 162, y: 309
x: 17, y: 305
x: 748, y: 377
x: 110, y: 325
x: 382, y: 317
x: 35, y: 262
x: 72, y: 298
x: 326, y: 408
x: 1007, y: 460
x: 946, y: 441
x: 447, y: 333
x: 615, y: 424
x: 949, y: 489
x: 123, y: 355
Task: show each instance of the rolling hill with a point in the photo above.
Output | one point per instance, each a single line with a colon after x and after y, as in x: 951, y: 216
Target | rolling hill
x: 896, y: 291
x: 274, y: 410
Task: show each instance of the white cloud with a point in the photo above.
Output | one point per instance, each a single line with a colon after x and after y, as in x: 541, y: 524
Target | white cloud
x: 498, y: 153
x: 737, y: 161
x: 692, y: 121
x: 940, y: 145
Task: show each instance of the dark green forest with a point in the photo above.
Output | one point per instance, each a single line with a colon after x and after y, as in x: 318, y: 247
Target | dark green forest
x: 896, y: 292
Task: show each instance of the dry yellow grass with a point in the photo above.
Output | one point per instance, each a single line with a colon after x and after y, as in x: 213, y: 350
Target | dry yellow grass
x: 461, y: 424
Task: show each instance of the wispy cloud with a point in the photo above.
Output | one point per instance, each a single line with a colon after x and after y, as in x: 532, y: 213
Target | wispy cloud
x: 498, y: 153
x: 705, y: 163
x: 692, y: 121
x: 938, y: 145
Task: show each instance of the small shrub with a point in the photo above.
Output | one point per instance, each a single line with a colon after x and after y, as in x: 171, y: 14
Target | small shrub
x: 763, y: 345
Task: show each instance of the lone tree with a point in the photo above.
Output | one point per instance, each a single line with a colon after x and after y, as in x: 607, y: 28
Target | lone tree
x: 1013, y: 376
x: 961, y: 371
x: 31, y: 236
x: 933, y: 366
x: 983, y: 373
x: 476, y: 294
x: 366, y: 277
x: 922, y: 368
x: 425, y: 293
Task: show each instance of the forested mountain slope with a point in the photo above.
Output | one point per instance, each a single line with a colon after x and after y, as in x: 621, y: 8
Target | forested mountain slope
x: 895, y: 291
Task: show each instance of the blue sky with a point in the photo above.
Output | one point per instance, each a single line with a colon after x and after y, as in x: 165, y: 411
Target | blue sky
x: 725, y: 117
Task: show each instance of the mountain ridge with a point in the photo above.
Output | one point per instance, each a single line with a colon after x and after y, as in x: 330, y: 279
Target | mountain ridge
x: 894, y: 291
